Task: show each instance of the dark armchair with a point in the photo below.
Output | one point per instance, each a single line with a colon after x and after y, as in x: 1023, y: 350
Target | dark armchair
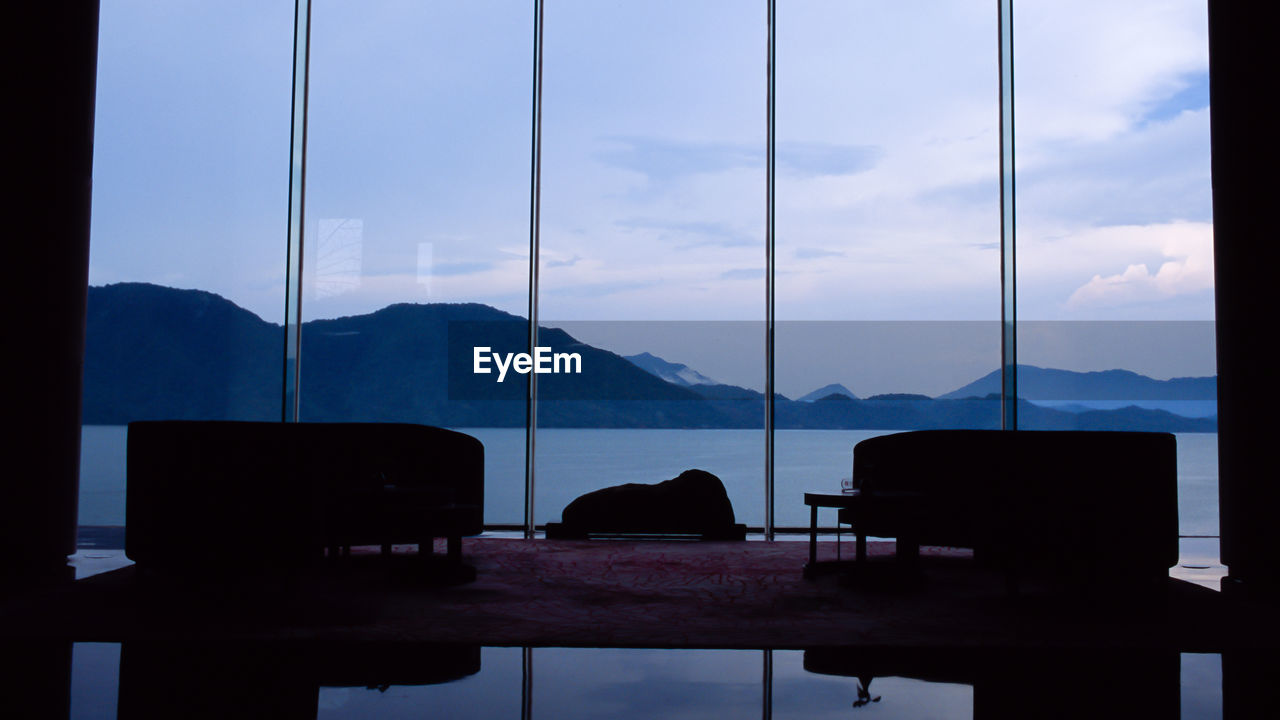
x: 1095, y: 504
x: 209, y: 495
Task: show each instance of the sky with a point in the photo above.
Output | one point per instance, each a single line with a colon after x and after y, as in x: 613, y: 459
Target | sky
x: 653, y: 163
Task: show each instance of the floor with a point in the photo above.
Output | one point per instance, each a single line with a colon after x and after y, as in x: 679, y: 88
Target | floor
x: 642, y: 594
x: 590, y: 683
x: 637, y: 629
x: 1198, y: 560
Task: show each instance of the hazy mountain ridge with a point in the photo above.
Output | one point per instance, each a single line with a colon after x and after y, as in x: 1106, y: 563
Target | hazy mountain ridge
x: 675, y: 373
x: 1037, y: 383
x: 827, y: 390
x: 161, y: 353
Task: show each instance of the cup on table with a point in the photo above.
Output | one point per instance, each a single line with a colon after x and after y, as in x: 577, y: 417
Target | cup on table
x: 846, y: 485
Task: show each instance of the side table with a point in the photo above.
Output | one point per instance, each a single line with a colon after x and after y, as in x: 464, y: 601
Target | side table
x: 838, y: 501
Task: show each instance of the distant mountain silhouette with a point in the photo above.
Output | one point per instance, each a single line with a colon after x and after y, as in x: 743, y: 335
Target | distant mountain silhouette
x: 153, y: 352
x: 1036, y: 383
x: 674, y: 373
x: 825, y: 390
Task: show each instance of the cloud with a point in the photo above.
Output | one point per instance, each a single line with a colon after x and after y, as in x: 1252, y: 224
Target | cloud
x: 810, y: 253
x: 891, y: 163
x: 563, y: 263
x: 663, y: 160
x: 742, y: 274
x: 598, y: 289
x: 460, y: 268
x: 813, y: 158
x: 1194, y: 95
x: 1187, y: 267
x: 1101, y: 69
x: 702, y: 233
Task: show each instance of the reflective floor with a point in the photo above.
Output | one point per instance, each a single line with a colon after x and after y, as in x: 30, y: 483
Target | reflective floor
x: 568, y: 683
x: 232, y: 679
x: 1197, y: 562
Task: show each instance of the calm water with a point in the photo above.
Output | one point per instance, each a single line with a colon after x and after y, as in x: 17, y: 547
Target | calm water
x: 574, y: 461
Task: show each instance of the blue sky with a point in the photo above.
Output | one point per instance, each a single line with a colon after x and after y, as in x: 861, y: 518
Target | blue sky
x: 653, y: 157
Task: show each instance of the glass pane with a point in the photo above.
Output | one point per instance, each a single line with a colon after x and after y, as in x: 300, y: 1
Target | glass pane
x: 95, y: 679
x: 805, y: 686
x: 652, y: 247
x: 417, y: 218
x: 1115, y: 229
x: 491, y: 691
x: 191, y: 168
x: 641, y: 683
x: 888, y: 230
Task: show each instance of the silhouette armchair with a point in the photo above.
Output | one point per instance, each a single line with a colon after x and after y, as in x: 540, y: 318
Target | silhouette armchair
x: 1087, y: 504
x: 257, y: 496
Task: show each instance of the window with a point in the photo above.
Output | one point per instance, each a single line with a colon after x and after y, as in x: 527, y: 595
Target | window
x: 1115, y: 230
x: 417, y: 217
x: 187, y: 263
x: 888, y: 229
x: 652, y: 230
x: 652, y: 204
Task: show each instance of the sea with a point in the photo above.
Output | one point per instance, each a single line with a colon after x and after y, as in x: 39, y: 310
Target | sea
x: 573, y: 461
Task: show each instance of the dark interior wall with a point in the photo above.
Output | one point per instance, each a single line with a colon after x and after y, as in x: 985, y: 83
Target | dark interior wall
x: 1241, y: 48
x: 49, y: 159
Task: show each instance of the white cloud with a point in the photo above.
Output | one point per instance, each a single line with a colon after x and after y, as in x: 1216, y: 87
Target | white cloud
x: 902, y: 238
x: 1187, y: 249
x: 1088, y: 70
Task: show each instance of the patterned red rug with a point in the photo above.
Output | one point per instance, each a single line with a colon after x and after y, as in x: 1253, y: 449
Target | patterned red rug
x: 637, y: 594
x: 667, y: 594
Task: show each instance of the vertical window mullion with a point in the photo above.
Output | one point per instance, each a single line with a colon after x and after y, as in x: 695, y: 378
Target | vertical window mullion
x: 1008, y: 244
x: 297, y: 206
x: 535, y: 221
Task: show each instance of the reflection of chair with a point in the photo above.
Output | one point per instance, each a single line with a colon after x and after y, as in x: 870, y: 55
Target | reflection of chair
x: 379, y: 665
x: 1090, y: 504
x: 209, y: 495
x: 1094, y: 682
x: 203, y: 678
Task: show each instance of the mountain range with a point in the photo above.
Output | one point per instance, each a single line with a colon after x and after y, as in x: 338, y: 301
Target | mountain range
x: 153, y: 352
x: 1036, y: 383
x: 674, y: 373
x: 825, y: 390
